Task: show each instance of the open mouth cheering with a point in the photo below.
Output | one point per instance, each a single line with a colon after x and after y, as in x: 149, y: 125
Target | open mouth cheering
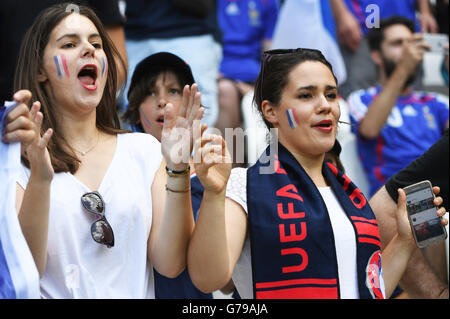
x: 88, y: 77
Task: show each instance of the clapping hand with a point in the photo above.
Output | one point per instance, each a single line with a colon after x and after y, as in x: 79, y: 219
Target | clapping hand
x: 212, y: 160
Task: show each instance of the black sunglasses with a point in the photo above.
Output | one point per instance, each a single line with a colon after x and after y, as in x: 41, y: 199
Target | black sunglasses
x: 267, y: 56
x: 101, y: 230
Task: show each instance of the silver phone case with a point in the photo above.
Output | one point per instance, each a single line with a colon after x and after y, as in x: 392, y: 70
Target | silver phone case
x: 424, y: 243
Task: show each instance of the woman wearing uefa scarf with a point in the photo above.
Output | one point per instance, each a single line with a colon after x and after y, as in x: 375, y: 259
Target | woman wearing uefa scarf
x: 96, y: 205
x: 301, y: 229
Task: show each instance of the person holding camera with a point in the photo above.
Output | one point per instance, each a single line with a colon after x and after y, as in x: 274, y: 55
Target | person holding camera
x: 426, y: 274
x: 395, y: 124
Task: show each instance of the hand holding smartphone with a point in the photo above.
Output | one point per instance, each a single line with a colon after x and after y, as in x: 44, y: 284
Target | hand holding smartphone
x: 425, y: 223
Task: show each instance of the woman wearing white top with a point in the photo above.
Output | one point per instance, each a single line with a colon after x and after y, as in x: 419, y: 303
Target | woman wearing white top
x: 95, y: 205
x: 319, y: 239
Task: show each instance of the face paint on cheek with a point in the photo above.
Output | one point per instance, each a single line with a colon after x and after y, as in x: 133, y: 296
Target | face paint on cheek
x: 64, y: 62
x: 58, y: 64
x: 292, y: 118
x: 146, y: 122
x: 61, y: 64
x: 104, y: 66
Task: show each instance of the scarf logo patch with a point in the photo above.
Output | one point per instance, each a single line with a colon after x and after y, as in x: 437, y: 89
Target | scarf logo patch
x: 375, y: 276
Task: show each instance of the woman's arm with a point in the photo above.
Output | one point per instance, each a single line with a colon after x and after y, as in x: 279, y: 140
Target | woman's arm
x: 217, y: 242
x: 172, y: 229
x: 219, y: 233
x: 381, y: 107
x: 172, y: 217
x: 32, y: 203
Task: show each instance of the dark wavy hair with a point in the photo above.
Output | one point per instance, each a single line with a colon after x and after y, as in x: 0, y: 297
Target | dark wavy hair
x: 26, y: 77
x: 275, y: 68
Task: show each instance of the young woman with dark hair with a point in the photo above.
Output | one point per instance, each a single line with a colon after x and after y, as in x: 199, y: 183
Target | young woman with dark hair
x: 304, y: 230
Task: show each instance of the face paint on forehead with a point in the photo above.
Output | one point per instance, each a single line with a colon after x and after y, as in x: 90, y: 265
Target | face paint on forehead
x: 292, y: 118
x: 61, y: 65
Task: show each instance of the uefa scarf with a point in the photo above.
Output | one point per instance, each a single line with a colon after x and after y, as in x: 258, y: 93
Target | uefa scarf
x: 292, y: 241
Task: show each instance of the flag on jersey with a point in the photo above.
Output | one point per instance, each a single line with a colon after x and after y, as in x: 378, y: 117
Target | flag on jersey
x: 309, y: 24
x: 19, y: 277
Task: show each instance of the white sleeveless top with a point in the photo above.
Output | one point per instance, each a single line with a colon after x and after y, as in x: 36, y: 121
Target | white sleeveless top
x: 79, y: 267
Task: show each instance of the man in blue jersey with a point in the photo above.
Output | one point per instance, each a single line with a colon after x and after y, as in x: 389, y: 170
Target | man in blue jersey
x: 354, y: 18
x: 393, y: 123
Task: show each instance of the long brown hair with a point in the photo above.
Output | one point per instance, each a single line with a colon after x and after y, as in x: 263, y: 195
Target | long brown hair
x: 31, y: 60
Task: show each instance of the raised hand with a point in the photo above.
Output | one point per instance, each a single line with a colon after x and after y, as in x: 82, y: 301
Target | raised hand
x: 212, y: 161
x: 177, y: 133
x: 24, y: 126
x: 413, y: 54
x: 403, y: 226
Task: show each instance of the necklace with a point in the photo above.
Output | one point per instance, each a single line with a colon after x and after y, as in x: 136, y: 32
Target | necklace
x: 95, y: 145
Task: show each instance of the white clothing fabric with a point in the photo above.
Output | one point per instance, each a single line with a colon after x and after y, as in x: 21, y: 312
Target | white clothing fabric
x: 300, y: 25
x: 19, y: 267
x: 344, y: 235
x: 345, y: 242
x: 79, y: 267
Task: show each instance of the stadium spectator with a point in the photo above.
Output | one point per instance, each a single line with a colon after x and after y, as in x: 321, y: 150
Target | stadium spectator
x: 354, y: 18
x: 12, y: 31
x: 91, y: 197
x: 324, y: 258
x: 187, y: 28
x: 158, y: 80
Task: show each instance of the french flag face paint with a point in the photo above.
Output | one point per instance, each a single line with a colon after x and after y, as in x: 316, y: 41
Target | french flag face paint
x: 292, y: 118
x: 146, y: 122
x: 61, y: 65
x: 104, y: 67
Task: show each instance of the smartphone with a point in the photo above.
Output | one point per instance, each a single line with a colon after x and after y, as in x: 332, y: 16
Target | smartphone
x: 425, y: 224
x: 436, y: 41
